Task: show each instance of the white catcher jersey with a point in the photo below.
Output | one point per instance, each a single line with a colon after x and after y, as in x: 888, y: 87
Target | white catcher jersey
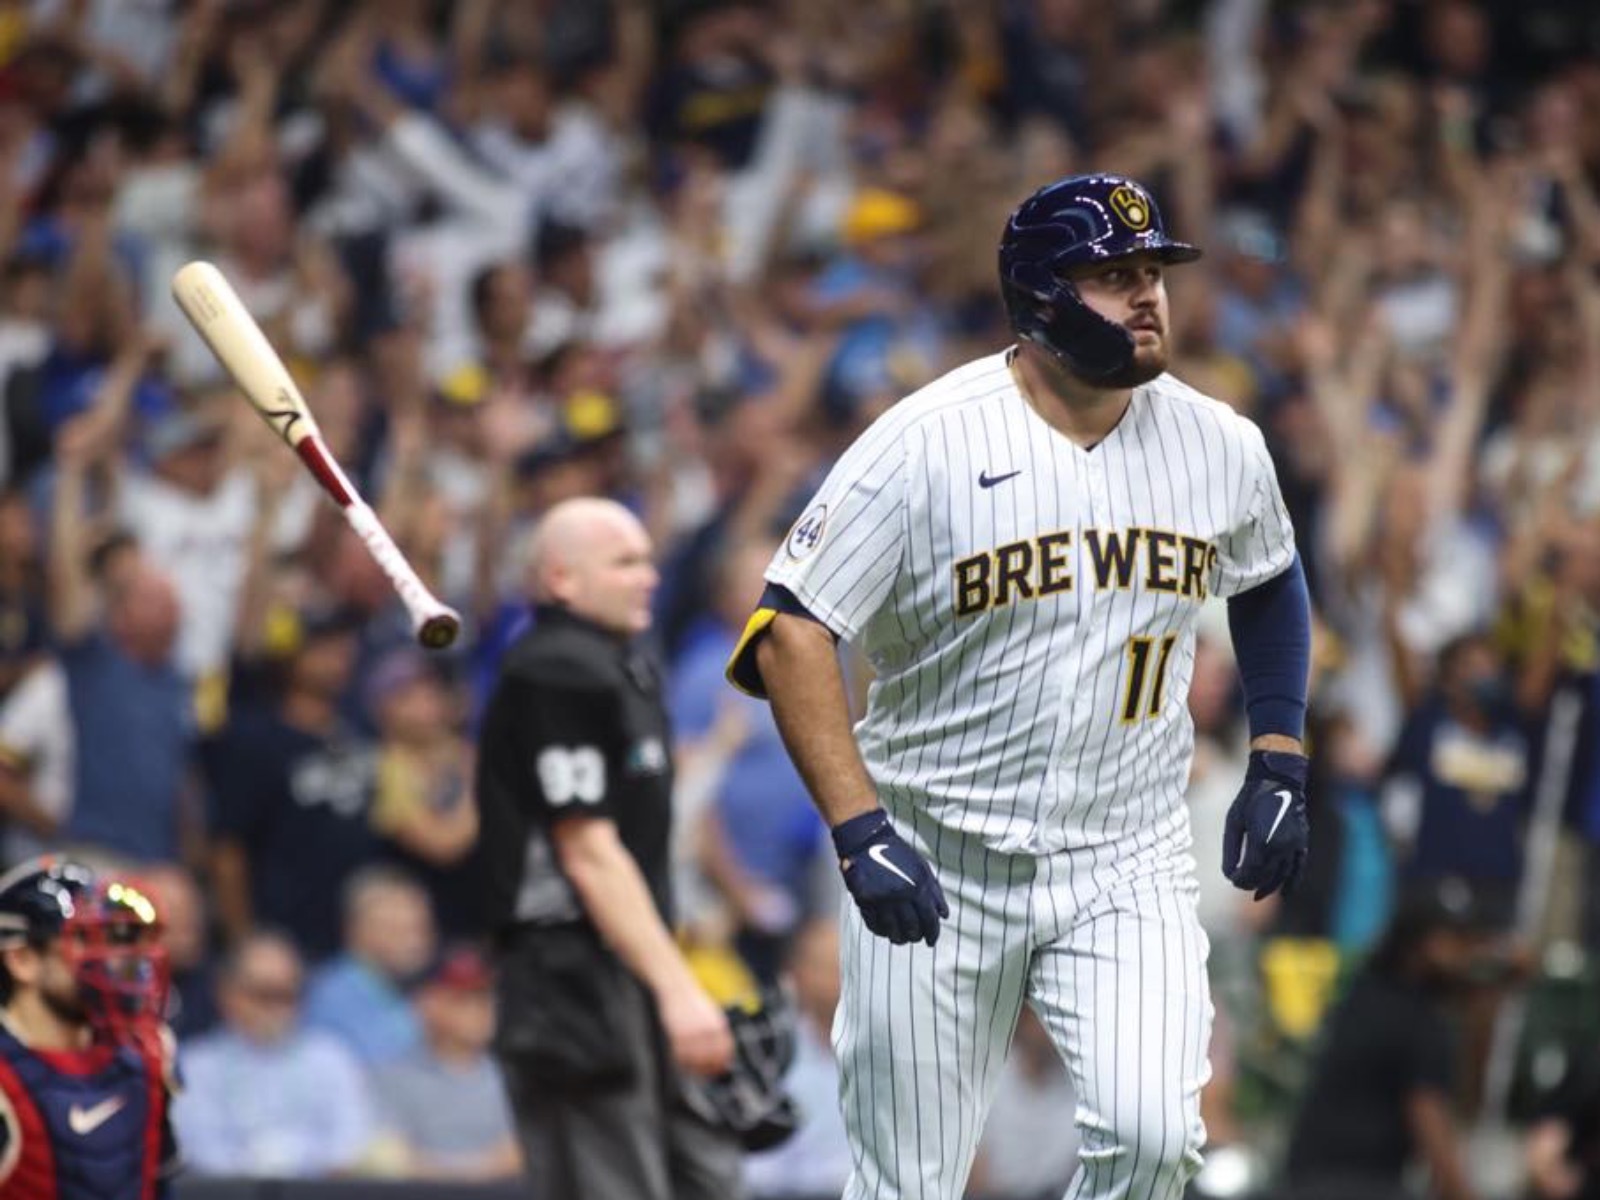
x: 1028, y: 606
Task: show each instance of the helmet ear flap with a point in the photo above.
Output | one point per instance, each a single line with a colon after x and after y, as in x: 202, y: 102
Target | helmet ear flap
x: 1057, y: 319
x: 1029, y: 293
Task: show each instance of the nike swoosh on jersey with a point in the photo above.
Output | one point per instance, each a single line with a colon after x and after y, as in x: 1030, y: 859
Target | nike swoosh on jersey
x: 1286, y: 798
x: 985, y: 480
x: 85, y: 1121
x: 880, y: 855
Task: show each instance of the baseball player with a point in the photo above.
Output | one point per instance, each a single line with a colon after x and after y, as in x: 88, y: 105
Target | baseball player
x: 85, y: 1062
x: 1021, y: 550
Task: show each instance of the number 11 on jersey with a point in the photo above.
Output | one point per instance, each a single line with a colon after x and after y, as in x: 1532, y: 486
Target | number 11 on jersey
x: 1136, y: 706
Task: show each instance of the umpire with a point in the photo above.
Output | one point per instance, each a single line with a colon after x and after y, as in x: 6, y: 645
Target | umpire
x: 602, y: 1026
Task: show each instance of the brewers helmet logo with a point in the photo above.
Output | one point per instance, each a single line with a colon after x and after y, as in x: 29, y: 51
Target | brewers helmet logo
x: 1130, y: 205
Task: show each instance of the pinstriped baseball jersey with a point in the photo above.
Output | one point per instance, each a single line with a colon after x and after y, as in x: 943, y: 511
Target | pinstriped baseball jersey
x: 1028, y: 605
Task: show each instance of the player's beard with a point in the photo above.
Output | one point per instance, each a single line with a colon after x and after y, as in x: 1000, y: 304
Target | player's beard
x: 66, y: 1003
x: 1146, y: 363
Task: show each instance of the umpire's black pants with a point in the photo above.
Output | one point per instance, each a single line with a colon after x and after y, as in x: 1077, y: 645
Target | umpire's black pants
x: 629, y: 1138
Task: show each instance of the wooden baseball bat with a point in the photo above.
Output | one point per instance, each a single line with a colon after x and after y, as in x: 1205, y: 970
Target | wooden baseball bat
x: 220, y: 317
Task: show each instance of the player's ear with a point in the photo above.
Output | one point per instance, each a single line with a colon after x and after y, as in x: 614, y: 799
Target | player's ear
x: 23, y: 964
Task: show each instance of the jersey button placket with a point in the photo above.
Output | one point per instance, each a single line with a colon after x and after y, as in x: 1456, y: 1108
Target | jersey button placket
x: 1097, y: 486
x: 1089, y: 504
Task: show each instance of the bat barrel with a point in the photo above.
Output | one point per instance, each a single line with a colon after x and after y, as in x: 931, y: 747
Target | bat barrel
x: 220, y: 317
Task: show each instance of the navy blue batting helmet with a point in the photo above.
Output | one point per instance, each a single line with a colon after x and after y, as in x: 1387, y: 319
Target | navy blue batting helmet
x: 1077, y: 220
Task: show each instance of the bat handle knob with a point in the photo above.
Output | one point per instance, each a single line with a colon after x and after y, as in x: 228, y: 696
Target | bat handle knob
x: 439, y: 630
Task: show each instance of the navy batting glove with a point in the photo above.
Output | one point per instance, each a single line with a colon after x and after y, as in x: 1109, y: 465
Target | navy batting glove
x: 1267, y: 835
x: 895, y: 890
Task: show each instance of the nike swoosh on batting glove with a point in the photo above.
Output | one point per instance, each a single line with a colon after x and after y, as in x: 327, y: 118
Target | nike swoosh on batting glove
x: 893, y: 887
x: 1267, y: 834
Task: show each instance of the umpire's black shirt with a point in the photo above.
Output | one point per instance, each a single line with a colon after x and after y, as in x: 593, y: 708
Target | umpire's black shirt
x: 575, y: 726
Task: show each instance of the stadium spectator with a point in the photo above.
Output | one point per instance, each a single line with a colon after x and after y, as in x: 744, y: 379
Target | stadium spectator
x: 262, y: 1096
x: 1259, y: 299
x: 423, y: 807
x: 116, y: 641
x: 889, y: 336
x: 192, y: 1000
x: 362, y: 996
x: 1458, y: 778
x: 445, y: 1104
x: 22, y: 582
x: 37, y: 768
x: 192, y: 509
x: 291, y: 793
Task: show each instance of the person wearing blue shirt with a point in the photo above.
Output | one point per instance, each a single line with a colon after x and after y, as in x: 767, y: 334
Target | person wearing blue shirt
x: 263, y: 1096
x: 128, y: 701
x: 362, y: 996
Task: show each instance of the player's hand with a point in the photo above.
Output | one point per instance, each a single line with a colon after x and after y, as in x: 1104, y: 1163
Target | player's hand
x: 895, y: 890
x: 1267, y: 835
x: 697, y: 1031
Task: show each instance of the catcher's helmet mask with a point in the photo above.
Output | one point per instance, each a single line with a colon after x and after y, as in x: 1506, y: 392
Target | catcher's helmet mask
x: 1078, y: 221
x: 107, y: 932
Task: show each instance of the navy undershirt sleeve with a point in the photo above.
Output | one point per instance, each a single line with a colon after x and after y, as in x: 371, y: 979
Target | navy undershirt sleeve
x: 1271, y: 627
x: 741, y: 670
x: 780, y: 599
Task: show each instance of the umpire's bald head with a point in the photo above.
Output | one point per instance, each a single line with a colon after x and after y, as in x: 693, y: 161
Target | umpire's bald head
x: 593, y: 558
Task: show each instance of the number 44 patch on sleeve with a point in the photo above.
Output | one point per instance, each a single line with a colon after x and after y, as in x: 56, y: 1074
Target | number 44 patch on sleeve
x: 806, y: 535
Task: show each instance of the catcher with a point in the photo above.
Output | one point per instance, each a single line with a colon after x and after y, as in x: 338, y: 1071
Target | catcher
x: 85, y: 1063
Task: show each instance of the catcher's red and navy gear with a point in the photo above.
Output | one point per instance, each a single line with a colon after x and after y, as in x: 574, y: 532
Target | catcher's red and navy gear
x: 84, y: 1124
x: 88, y: 1123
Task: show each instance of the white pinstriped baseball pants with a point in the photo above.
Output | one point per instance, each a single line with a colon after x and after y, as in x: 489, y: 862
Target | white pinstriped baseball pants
x: 1106, y: 947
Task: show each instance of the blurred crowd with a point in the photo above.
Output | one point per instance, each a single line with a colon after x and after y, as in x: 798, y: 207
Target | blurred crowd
x: 679, y: 253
